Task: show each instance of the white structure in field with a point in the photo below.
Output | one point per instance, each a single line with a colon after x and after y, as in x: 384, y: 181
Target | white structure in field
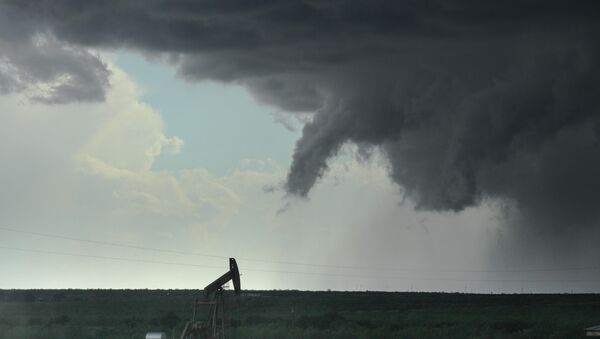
x: 593, y: 331
x: 156, y: 335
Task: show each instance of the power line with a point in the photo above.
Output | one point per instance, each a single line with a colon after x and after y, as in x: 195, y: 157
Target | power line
x: 372, y: 268
x: 164, y: 250
x: 144, y: 261
x: 107, y: 243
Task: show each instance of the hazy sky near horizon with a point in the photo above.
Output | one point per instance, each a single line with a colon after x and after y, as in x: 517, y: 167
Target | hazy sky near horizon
x: 318, y: 161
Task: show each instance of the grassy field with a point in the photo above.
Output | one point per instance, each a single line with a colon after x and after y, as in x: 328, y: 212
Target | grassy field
x: 297, y: 314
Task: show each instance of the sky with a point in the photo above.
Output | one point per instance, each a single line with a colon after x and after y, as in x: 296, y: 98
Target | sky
x: 324, y: 145
x: 207, y: 114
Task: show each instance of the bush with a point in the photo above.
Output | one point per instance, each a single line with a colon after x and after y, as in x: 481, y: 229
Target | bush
x: 511, y: 326
x: 324, y: 321
x: 34, y: 322
x: 169, y: 320
x: 60, y: 321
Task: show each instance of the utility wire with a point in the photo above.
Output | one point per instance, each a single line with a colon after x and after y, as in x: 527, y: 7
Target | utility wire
x: 374, y: 269
x: 163, y: 250
x: 144, y: 261
x: 20, y: 249
x: 99, y: 242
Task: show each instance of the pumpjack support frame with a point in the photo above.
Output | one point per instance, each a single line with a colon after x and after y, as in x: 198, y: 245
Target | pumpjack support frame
x: 214, y: 327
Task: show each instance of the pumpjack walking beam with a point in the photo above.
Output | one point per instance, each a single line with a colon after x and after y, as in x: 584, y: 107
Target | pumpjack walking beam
x: 233, y: 274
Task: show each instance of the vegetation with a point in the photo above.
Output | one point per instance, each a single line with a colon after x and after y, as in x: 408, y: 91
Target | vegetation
x: 297, y: 314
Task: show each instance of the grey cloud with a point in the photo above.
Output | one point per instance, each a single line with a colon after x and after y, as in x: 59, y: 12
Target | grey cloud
x: 283, y: 120
x: 300, y: 95
x: 469, y: 100
x: 34, y: 62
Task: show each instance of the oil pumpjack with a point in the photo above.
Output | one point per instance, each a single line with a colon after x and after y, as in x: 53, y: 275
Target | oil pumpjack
x: 214, y: 326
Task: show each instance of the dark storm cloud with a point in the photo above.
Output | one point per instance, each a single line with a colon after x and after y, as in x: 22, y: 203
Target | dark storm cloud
x: 469, y: 100
x: 34, y: 62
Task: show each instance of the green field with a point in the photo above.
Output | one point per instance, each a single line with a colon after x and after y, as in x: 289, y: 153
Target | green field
x: 297, y: 314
